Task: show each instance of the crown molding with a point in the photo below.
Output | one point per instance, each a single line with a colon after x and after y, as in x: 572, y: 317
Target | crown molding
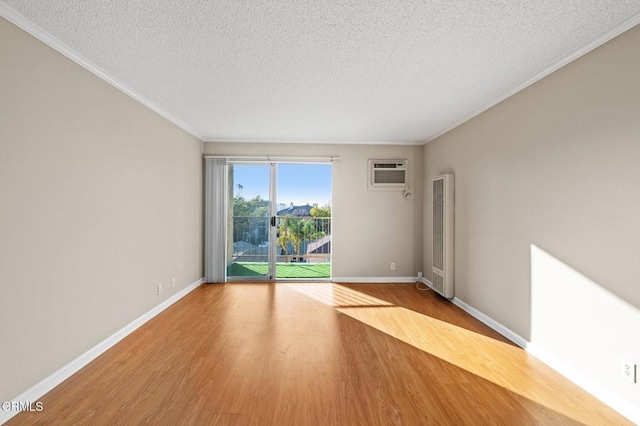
x: 37, y: 32
x: 65, y: 50
x: 320, y: 142
x: 623, y: 26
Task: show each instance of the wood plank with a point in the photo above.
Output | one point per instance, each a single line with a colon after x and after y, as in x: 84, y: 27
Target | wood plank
x: 326, y: 354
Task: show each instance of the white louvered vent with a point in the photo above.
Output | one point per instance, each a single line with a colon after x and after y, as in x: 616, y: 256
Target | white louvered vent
x: 442, y: 273
x: 387, y: 174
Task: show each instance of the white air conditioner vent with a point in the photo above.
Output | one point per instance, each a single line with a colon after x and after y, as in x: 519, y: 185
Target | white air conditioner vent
x: 387, y: 174
x: 443, y: 217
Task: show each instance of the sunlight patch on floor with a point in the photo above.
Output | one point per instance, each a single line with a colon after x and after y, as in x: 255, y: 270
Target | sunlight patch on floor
x: 337, y: 295
x: 498, y: 362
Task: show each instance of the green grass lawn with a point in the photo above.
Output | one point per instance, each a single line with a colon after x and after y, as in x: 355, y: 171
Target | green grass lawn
x: 283, y: 270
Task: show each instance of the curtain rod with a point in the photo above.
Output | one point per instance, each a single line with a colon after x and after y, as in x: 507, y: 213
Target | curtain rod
x: 274, y: 158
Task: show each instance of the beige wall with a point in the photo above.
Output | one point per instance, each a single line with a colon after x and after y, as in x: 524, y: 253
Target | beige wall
x: 371, y: 229
x: 548, y: 213
x: 100, y: 200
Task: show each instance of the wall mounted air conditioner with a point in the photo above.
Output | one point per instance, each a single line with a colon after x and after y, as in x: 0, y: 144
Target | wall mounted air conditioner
x: 388, y: 174
x: 442, y: 272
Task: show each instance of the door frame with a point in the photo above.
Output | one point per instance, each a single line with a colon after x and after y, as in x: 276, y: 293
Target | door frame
x: 273, y: 211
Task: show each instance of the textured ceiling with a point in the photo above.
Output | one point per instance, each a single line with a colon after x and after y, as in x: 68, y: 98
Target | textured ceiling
x: 323, y: 71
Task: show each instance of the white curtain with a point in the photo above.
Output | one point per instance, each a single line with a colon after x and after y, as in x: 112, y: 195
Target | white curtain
x: 215, y: 220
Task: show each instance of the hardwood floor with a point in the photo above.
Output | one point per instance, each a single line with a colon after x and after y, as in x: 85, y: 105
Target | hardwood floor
x: 316, y: 354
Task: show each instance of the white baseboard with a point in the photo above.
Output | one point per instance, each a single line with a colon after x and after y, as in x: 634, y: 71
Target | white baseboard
x: 623, y: 407
x: 506, y: 332
x: 374, y: 280
x: 37, y: 391
x: 626, y: 409
x: 426, y: 282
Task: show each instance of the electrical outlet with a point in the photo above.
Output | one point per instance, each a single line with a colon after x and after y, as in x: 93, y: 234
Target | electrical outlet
x: 393, y: 266
x: 159, y: 288
x: 629, y: 370
x: 419, y: 274
x: 173, y: 282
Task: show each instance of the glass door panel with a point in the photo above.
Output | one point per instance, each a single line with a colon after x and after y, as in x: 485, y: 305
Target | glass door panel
x: 303, y: 243
x: 248, y: 222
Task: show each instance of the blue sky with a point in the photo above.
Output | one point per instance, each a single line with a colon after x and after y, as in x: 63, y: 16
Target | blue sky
x: 297, y: 183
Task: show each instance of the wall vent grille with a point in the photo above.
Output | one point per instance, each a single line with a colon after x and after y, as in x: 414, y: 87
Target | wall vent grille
x: 443, y: 219
x: 438, y: 224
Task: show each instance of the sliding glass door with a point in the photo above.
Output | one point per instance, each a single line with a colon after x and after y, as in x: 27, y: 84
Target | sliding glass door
x: 268, y: 239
